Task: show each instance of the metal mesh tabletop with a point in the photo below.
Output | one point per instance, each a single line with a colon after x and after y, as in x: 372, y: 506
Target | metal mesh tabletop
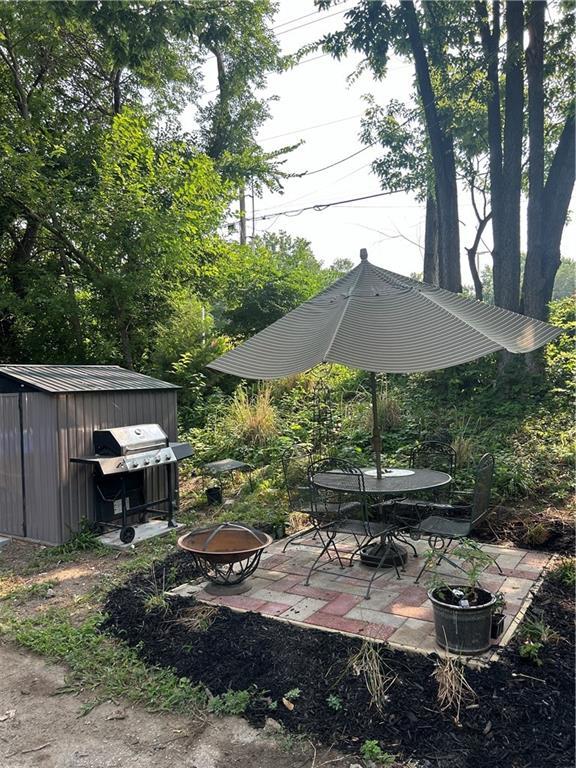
x: 419, y: 480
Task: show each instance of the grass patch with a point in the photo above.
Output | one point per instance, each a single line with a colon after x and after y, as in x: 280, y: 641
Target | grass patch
x: 103, y: 665
x: 20, y: 593
x: 50, y: 557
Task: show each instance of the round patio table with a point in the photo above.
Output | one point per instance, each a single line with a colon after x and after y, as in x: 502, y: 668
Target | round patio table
x: 393, y: 482
x: 409, y: 481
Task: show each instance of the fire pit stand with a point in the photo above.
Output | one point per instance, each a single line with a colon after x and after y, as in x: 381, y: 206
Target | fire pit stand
x: 226, y: 555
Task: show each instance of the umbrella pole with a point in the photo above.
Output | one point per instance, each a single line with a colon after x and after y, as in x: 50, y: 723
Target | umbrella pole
x: 376, y: 436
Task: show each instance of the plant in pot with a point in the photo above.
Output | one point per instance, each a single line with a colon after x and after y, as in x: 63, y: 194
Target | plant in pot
x: 466, y: 616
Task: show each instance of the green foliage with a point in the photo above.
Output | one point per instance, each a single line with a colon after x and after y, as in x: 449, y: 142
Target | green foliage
x: 109, y: 214
x: 292, y: 694
x: 565, y: 572
x: 334, y: 702
x: 371, y: 751
x: 260, y: 284
x: 230, y: 703
x: 474, y: 560
x: 533, y: 636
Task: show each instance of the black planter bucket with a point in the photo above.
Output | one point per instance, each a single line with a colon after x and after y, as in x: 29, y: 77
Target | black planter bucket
x: 497, y: 626
x: 214, y: 495
x: 465, y: 630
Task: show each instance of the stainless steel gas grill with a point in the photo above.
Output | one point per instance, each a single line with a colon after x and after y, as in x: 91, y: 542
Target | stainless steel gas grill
x: 122, y: 460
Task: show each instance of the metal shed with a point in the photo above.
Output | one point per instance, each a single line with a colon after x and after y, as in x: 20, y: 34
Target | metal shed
x: 47, y: 415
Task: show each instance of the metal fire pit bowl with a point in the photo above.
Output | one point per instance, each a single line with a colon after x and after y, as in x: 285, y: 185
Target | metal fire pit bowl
x: 226, y: 554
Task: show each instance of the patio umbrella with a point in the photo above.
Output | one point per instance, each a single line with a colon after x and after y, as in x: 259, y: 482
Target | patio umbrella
x: 382, y: 322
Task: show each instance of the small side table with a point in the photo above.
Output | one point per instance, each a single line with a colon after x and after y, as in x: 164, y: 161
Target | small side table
x: 224, y: 467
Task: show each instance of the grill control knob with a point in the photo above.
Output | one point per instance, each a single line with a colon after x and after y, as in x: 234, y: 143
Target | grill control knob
x: 134, y: 463
x: 146, y: 461
x: 157, y: 459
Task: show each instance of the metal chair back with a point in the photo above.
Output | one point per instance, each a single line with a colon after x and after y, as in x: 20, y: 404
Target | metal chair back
x: 332, y: 506
x: 434, y: 454
x: 295, y: 461
x: 482, y: 490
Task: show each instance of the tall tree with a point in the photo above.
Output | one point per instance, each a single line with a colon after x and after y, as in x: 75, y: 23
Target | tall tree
x: 373, y: 28
x: 548, y: 194
x: 505, y: 133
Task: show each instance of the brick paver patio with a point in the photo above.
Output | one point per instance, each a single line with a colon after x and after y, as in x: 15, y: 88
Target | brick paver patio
x: 398, y: 610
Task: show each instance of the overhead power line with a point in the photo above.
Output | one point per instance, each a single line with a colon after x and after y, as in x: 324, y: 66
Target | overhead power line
x: 324, y: 206
x: 312, y: 127
x: 314, y: 21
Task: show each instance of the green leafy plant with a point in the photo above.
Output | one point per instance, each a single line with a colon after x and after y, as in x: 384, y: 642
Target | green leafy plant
x: 534, y: 635
x: 474, y: 560
x: 530, y: 649
x: 372, y: 752
x: 565, y: 572
x: 334, y: 702
x: 292, y: 694
x: 230, y: 703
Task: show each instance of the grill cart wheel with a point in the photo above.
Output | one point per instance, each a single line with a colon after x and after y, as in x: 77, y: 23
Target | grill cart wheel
x: 127, y: 534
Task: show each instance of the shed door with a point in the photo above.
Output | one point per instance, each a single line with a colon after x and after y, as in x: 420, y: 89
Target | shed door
x: 11, y: 494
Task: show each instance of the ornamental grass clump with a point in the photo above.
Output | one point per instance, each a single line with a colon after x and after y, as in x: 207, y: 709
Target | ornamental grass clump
x: 253, y: 420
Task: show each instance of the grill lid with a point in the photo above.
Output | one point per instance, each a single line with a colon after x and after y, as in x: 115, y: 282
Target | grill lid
x: 124, y: 441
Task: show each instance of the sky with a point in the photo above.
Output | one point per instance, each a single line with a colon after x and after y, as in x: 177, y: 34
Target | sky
x: 315, y: 102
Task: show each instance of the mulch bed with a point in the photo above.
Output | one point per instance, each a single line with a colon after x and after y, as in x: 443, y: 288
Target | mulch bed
x: 522, y: 717
x: 541, y: 529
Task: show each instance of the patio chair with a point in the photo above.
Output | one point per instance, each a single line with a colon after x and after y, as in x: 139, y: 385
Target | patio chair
x: 443, y: 529
x: 332, y: 512
x: 431, y: 454
x: 295, y: 461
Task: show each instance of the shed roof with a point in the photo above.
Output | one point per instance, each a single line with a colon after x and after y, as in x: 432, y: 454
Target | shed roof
x: 82, y: 378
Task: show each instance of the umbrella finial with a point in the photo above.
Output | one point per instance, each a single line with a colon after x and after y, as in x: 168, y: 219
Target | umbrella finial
x: 363, y: 254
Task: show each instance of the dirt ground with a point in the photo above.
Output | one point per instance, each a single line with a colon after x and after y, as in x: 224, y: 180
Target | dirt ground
x: 41, y: 726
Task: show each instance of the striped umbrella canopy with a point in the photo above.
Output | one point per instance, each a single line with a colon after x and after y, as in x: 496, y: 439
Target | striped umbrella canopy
x: 382, y: 322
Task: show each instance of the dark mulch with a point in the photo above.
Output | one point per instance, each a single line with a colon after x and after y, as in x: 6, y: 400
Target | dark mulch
x: 542, y: 529
x: 523, y: 716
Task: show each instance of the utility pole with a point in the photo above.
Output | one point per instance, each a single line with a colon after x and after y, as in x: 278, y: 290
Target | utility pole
x: 242, y: 215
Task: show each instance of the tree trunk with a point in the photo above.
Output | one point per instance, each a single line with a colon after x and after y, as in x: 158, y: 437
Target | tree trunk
x: 542, y: 265
x: 74, y: 313
x: 20, y: 256
x: 507, y: 249
x: 431, y: 242
x: 490, y: 45
x: 442, y: 149
x: 535, y: 73
x: 117, y: 92
x: 472, y: 251
x: 506, y: 151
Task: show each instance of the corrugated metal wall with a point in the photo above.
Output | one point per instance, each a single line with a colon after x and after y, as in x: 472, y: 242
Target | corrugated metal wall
x: 11, y: 500
x: 79, y: 414
x: 41, y: 467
